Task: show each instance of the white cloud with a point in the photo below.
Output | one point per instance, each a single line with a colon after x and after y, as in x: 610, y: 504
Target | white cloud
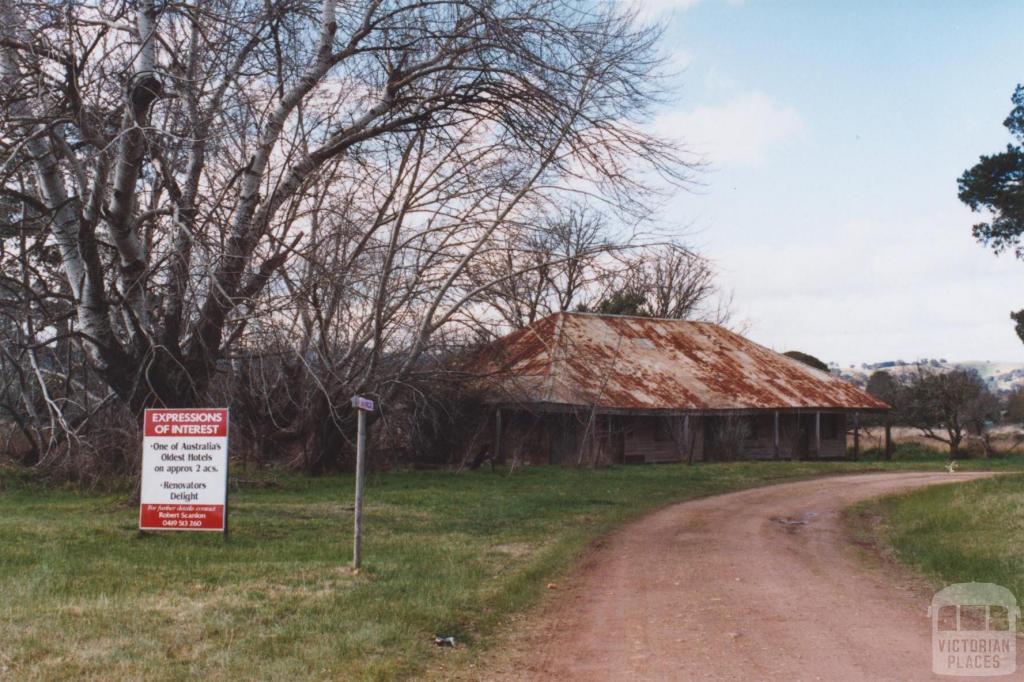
x: 679, y: 60
x: 865, y: 291
x: 720, y: 84
x: 656, y: 10
x: 741, y: 130
x: 662, y: 6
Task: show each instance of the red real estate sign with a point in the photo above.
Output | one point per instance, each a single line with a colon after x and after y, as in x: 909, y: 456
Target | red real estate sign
x: 184, y: 470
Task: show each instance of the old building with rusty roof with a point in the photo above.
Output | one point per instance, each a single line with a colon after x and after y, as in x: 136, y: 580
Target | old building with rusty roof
x: 581, y: 387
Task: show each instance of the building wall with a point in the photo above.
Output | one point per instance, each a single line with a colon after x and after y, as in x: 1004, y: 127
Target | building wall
x: 570, y: 438
x: 524, y: 439
x: 582, y: 438
x: 834, y: 447
x: 649, y: 440
x: 796, y: 436
x: 760, y: 444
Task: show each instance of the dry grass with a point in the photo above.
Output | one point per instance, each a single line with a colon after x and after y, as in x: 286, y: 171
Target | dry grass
x: 1004, y: 439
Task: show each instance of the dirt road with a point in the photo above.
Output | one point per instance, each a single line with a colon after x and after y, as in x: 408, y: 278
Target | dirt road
x: 755, y: 585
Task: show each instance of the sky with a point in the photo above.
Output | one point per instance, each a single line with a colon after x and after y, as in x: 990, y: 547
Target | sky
x: 834, y: 134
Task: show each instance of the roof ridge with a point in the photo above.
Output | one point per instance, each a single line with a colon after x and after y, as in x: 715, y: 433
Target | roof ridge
x: 648, y: 318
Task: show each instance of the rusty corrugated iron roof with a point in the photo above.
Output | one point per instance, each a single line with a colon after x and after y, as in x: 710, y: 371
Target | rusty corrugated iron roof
x: 618, y: 362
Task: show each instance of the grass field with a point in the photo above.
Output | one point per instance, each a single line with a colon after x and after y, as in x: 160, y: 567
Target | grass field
x: 970, y: 532
x: 84, y: 596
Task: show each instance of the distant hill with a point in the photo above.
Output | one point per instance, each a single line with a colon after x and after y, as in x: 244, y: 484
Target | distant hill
x: 1000, y: 376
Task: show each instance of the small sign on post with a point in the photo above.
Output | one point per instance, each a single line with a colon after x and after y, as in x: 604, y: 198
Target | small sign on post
x: 185, y: 470
x: 362, y: 405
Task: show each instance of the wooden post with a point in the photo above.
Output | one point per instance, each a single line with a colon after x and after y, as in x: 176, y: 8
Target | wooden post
x: 775, y: 440
x: 691, y: 443
x: 497, y: 435
x: 856, y: 435
x: 817, y: 435
x: 227, y: 505
x: 357, y: 536
x: 609, y: 440
x: 687, y: 446
x: 888, y: 437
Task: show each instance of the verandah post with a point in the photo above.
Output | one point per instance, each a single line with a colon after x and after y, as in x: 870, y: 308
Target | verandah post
x: 687, y: 446
x: 856, y: 435
x: 817, y: 435
x: 775, y: 440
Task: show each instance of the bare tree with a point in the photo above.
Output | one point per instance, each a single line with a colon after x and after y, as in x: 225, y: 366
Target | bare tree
x: 570, y: 260
x: 675, y: 282
x: 290, y: 200
x: 946, y: 406
x: 657, y: 279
